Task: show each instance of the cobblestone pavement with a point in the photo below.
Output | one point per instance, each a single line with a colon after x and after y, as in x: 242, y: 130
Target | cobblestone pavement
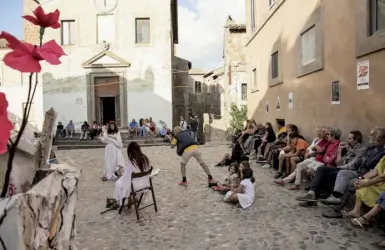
x: 196, y: 218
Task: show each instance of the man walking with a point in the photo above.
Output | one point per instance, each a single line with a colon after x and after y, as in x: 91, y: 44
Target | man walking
x: 187, y: 148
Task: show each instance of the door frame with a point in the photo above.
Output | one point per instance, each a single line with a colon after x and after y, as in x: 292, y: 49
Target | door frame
x: 91, y: 99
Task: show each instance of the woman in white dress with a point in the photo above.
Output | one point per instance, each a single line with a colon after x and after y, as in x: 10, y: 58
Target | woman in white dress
x: 137, y: 163
x: 244, y: 194
x: 113, y: 156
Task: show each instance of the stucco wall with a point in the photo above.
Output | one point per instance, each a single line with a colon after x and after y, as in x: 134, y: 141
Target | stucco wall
x: 358, y: 109
x: 147, y: 80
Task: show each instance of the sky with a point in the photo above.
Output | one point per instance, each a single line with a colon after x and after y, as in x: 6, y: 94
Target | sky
x: 200, y: 27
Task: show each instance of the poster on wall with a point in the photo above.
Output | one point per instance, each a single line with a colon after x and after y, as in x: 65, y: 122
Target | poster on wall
x: 336, y: 92
x: 363, y: 69
x: 291, y: 100
x: 267, y: 106
x: 278, y: 104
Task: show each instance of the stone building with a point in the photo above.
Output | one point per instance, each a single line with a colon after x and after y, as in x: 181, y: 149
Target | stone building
x: 234, y: 54
x: 15, y: 85
x: 119, y: 63
x: 321, y: 61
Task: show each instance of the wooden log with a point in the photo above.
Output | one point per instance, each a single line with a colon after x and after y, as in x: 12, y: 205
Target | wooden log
x: 47, y: 137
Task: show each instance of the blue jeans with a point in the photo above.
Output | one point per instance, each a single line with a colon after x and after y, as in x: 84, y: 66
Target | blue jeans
x: 142, y: 131
x: 194, y: 135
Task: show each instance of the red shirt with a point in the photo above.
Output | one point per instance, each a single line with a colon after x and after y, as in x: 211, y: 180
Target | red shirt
x: 324, y: 144
x: 331, y: 154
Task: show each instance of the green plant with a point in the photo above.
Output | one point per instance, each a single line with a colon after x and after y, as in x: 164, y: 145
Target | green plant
x: 238, y: 116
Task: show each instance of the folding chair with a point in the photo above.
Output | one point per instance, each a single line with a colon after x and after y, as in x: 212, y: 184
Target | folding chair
x: 134, y: 193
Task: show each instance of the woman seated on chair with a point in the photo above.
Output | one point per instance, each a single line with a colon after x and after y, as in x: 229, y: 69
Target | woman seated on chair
x: 137, y: 163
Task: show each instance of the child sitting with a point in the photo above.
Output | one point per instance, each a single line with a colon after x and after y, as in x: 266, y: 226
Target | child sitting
x: 231, y: 181
x: 244, y: 194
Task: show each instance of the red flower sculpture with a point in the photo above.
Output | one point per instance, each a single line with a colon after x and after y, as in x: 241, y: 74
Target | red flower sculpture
x: 44, y: 20
x: 5, y: 125
x: 25, y: 57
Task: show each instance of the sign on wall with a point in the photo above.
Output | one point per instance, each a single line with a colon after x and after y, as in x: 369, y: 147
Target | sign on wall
x: 363, y: 70
x: 336, y: 92
x: 291, y: 100
x: 278, y: 104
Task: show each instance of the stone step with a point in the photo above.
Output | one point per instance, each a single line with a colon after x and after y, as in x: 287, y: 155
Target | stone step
x: 94, y: 146
x: 148, y: 140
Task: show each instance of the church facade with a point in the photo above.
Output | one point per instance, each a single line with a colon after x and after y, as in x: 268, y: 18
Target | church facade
x: 119, y: 60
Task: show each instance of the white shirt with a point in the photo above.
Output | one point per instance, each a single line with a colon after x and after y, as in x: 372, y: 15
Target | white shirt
x: 248, y: 189
x: 183, y: 125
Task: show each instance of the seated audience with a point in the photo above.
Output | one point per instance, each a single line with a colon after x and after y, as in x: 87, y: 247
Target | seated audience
x: 237, y: 156
x: 60, y: 132
x: 365, y: 219
x: 297, y: 150
x: 279, y: 145
x: 164, y: 131
x: 231, y: 181
x: 268, y: 137
x: 357, y: 168
x: 133, y: 127
x: 330, y: 159
x: 147, y: 126
x: 95, y: 130
x: 254, y: 141
x: 248, y: 133
x: 369, y: 188
x: 152, y: 126
x: 85, y: 131
x: 244, y: 194
x: 313, y: 159
x: 70, y: 129
x: 142, y: 128
x: 281, y: 135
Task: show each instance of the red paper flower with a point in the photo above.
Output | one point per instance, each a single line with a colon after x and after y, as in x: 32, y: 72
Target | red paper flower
x: 25, y: 57
x: 44, y: 20
x: 5, y: 125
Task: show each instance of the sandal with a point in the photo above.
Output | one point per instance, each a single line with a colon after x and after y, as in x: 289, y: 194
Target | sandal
x: 356, y: 223
x: 279, y: 182
x: 293, y: 187
x: 347, y: 215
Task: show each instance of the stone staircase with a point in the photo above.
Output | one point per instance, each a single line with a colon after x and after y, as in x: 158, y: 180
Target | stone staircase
x: 75, y: 143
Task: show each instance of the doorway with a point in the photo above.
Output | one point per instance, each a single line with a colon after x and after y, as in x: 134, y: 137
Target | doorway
x: 108, y: 109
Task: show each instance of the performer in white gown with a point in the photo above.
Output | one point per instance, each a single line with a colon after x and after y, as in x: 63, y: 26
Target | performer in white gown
x: 137, y: 163
x: 113, y: 156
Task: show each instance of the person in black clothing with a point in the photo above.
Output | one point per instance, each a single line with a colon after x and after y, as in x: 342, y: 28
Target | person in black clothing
x: 60, y: 132
x: 194, y: 128
x: 236, y: 156
x: 269, y: 137
x: 85, y: 131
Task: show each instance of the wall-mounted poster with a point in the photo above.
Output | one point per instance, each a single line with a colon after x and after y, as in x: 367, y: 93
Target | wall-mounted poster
x: 278, y: 104
x: 291, y: 100
x: 363, y: 72
x: 267, y: 106
x: 336, y: 92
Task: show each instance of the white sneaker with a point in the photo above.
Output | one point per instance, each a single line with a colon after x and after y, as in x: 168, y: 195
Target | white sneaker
x: 266, y: 166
